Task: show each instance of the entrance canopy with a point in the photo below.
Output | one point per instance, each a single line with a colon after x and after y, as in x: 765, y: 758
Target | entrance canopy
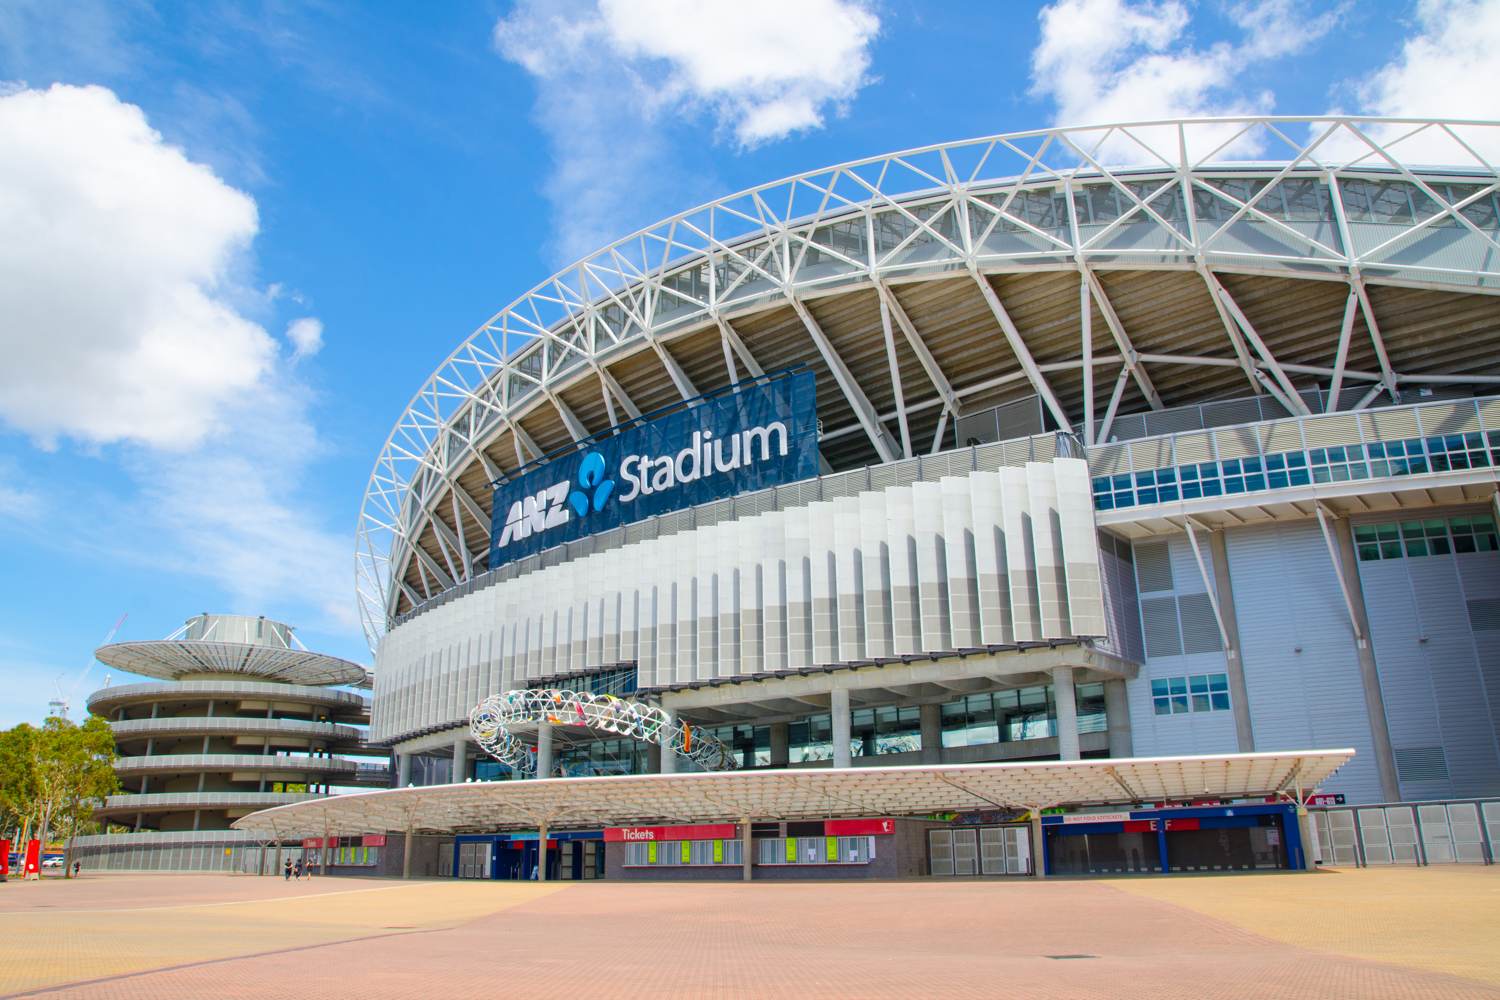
x: 823, y: 793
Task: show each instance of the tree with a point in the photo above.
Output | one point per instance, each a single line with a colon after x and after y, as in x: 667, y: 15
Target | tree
x: 53, y: 778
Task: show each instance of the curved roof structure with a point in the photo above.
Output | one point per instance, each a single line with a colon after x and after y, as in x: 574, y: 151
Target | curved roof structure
x: 231, y: 645
x: 1102, y: 271
x: 815, y: 793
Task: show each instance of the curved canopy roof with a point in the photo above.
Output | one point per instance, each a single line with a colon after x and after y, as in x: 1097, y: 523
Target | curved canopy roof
x: 822, y: 793
x: 175, y: 659
x: 1171, y: 262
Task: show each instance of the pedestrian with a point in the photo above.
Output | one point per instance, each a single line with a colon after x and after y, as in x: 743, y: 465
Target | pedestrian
x: 286, y: 871
x: 297, y: 870
x: 77, y: 867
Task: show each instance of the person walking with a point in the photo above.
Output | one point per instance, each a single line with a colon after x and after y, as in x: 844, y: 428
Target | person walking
x: 297, y: 870
x: 286, y: 870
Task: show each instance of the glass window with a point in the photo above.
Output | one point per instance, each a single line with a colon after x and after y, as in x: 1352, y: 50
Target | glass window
x: 1090, y: 701
x: 810, y: 740
x: 1195, y: 693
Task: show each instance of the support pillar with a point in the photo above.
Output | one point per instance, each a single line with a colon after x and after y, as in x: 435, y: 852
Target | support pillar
x: 460, y: 760
x: 931, y: 721
x: 1369, y: 675
x: 1117, y: 719
x: 653, y: 758
x: 781, y: 744
x: 838, y: 706
x: 746, y: 844
x: 1239, y: 692
x: 668, y: 755
x: 541, y: 852
x: 1038, y: 846
x: 406, y: 852
x: 403, y: 770
x: 544, y: 749
x: 1305, y: 832
x: 1067, y: 713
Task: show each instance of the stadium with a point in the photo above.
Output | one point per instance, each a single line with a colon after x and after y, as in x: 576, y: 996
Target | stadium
x: 923, y: 501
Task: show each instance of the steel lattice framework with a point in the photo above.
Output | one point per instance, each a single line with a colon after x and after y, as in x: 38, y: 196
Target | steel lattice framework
x: 490, y: 720
x: 1203, y: 195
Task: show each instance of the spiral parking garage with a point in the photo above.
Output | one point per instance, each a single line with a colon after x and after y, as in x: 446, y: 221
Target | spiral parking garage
x: 1102, y: 444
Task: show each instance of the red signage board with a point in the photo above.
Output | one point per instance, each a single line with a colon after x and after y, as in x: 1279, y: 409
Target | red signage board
x: 373, y: 840
x: 4, y: 858
x: 1182, y: 824
x: 33, y: 865
x: 858, y: 827
x: 700, y: 831
x: 1142, y: 825
x: 312, y: 842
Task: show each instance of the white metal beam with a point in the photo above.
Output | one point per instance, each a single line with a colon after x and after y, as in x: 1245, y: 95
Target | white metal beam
x: 614, y: 388
x: 1376, y: 340
x: 874, y: 429
x: 472, y: 506
x: 570, y: 420
x: 1295, y: 402
x: 919, y: 347
x: 732, y: 337
x: 1122, y: 341
x: 890, y: 357
x: 1019, y: 348
x: 1341, y: 355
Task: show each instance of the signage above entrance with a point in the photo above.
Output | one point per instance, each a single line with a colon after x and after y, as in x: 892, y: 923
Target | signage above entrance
x: 747, y: 437
x: 701, y: 831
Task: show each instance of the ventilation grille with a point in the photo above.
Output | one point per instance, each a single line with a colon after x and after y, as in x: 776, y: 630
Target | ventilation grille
x: 1421, y: 764
x: 1484, y: 614
x: 1153, y: 567
x: 1200, y: 630
x: 1159, y: 620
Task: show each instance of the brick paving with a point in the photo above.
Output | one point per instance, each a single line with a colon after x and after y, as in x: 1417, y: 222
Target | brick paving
x: 1226, y: 936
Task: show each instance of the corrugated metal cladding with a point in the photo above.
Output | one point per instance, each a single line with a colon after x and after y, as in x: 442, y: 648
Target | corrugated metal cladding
x: 979, y: 559
x: 1437, y: 648
x: 1301, y: 664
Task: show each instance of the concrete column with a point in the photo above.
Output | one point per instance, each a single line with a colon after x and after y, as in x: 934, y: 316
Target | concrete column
x: 1067, y: 713
x: 544, y: 750
x: 1038, y: 846
x: 668, y: 755
x: 1239, y: 693
x: 405, y: 852
x: 746, y: 854
x: 1117, y: 718
x: 1304, y: 830
x: 932, y: 733
x: 541, y: 852
x: 780, y: 744
x: 460, y: 759
x: 1380, y: 731
x: 403, y: 770
x: 653, y: 758
x: 838, y: 705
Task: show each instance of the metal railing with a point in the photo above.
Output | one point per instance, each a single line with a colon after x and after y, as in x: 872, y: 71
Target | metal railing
x: 206, y: 690
x: 233, y: 725
x: 235, y: 762
x: 1388, y: 442
x: 157, y: 801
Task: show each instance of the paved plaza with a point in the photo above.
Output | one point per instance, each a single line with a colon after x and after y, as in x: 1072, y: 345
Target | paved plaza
x: 1368, y: 933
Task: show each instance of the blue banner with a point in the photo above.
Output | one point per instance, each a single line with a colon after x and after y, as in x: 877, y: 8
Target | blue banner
x: 755, y: 436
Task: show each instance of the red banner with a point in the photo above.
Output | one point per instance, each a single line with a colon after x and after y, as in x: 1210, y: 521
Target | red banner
x: 858, y: 827
x: 33, y: 864
x: 373, y: 840
x: 4, y: 858
x: 701, y: 831
x: 309, y: 842
x: 1182, y: 824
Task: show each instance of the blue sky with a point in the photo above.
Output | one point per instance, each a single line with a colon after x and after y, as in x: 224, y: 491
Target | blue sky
x: 239, y: 236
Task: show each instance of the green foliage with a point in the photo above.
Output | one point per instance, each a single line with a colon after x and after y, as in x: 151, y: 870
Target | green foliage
x: 52, y: 778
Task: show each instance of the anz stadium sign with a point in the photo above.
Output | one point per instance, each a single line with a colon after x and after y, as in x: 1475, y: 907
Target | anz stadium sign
x: 747, y: 437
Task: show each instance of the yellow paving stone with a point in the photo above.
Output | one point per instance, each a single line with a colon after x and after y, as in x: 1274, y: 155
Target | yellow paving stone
x: 1442, y: 919
x: 41, y: 948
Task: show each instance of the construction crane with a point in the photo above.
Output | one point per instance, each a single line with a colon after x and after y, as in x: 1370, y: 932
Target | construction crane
x: 59, y: 705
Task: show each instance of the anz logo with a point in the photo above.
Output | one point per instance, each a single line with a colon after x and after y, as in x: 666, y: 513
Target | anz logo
x: 548, y: 508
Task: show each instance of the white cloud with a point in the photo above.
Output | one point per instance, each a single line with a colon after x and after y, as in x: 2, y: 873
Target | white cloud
x: 123, y: 328
x: 1449, y: 68
x: 1110, y: 61
x: 614, y: 76
x: 116, y: 313
x: 306, y: 337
